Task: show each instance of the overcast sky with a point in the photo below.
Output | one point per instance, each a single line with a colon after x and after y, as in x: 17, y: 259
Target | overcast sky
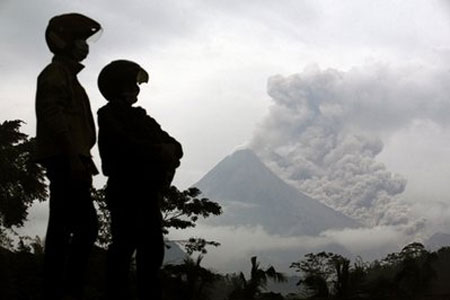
x: 210, y: 63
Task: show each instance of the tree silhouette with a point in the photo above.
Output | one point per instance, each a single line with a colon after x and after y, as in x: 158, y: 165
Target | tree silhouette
x: 407, y: 274
x: 441, y: 266
x: 414, y: 270
x: 180, y: 210
x: 341, y: 267
x: 21, y: 179
x: 324, y: 273
x: 189, y: 279
x: 251, y: 288
x: 104, y: 217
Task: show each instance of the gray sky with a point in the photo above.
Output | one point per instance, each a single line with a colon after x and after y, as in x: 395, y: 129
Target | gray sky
x: 210, y: 61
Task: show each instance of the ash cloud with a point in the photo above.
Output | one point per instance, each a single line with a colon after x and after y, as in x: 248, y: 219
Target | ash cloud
x: 325, y: 128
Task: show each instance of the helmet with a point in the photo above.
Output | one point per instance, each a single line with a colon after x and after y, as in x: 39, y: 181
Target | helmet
x: 64, y: 29
x: 120, y: 76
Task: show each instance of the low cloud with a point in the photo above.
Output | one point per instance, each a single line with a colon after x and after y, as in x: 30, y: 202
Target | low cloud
x: 238, y: 244
x: 369, y: 241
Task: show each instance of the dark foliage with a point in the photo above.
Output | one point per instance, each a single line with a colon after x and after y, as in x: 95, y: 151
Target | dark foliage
x: 189, y: 280
x: 412, y: 273
x: 21, y: 179
x: 20, y: 271
x: 104, y: 218
x: 406, y: 275
x: 180, y: 210
x: 249, y: 289
x: 324, y: 273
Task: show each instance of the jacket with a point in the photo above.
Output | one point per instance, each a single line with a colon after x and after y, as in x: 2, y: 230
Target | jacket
x: 65, y: 125
x: 133, y: 145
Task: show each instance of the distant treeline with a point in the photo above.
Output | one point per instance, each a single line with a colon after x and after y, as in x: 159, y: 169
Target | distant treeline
x: 412, y: 273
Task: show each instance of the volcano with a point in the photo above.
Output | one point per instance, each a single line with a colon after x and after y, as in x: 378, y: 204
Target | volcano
x: 252, y: 195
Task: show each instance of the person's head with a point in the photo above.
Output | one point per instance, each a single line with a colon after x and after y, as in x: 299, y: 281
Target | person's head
x: 120, y: 79
x: 67, y: 34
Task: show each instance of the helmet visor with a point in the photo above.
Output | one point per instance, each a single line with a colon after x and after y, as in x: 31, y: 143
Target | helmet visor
x: 142, y: 76
x: 95, y: 37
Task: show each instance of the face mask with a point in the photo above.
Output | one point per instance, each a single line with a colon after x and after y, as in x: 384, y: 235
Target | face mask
x: 80, y: 50
x: 130, y: 96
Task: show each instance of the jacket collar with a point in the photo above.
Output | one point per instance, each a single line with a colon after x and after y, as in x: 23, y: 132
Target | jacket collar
x: 120, y: 105
x: 73, y: 66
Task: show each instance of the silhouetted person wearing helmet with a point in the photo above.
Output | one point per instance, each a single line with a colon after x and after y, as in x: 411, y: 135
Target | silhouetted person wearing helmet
x: 65, y: 135
x: 140, y: 160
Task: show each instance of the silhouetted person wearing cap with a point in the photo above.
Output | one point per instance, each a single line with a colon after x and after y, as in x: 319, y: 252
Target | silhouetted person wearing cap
x: 65, y: 135
x: 140, y: 160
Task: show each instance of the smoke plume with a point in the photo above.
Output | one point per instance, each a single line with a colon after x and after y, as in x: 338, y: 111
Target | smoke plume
x: 325, y: 128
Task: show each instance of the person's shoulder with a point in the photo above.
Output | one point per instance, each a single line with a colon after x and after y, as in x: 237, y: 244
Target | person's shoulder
x: 114, y: 111
x: 105, y: 109
x: 53, y: 72
x: 143, y: 113
x: 143, y: 117
x: 54, y: 66
x: 140, y: 111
